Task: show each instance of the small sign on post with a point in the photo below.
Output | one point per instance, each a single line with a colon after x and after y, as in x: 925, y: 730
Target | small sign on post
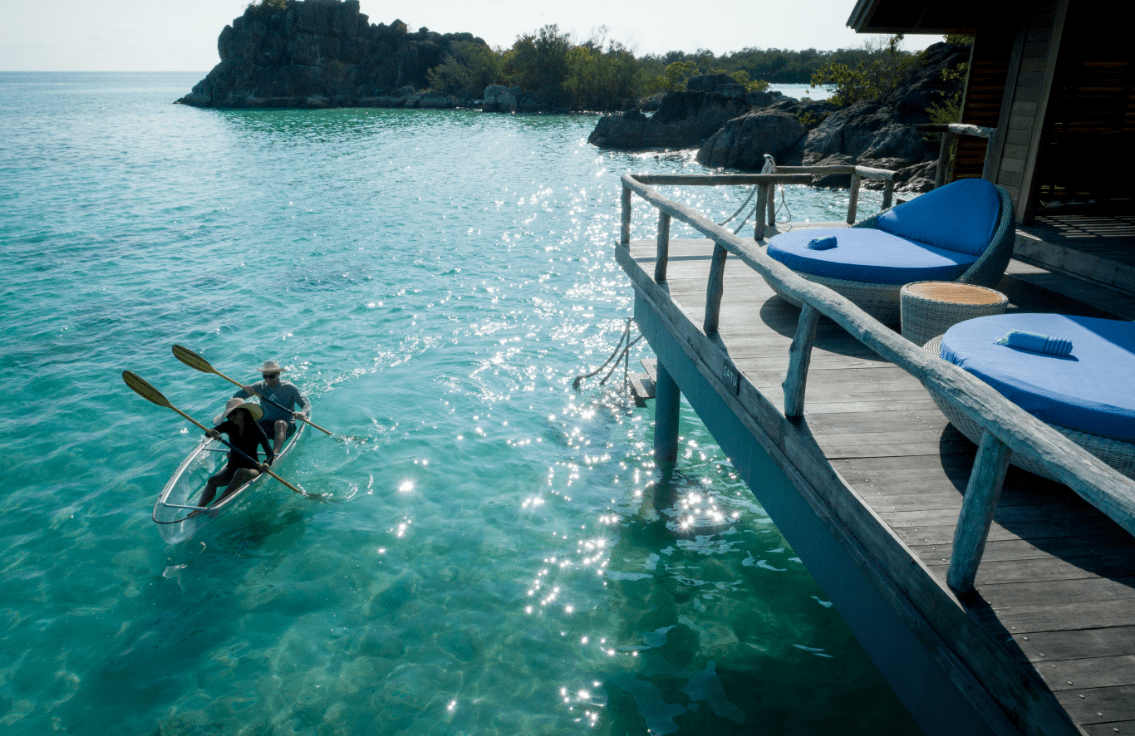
x: 731, y: 376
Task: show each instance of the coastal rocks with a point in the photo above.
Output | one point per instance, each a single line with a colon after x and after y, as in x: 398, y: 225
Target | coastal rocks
x: 319, y: 54
x: 868, y: 130
x: 499, y: 98
x: 879, y: 134
x: 683, y: 120
x: 743, y: 141
x: 708, y: 82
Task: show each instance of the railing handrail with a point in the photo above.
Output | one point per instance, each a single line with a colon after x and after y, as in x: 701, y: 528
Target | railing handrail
x: 1002, y: 420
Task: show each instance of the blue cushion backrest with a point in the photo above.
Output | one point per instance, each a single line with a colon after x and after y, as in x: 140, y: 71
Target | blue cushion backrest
x: 960, y: 216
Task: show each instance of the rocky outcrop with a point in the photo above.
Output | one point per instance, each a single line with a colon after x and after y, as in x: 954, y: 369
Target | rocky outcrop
x: 316, y: 53
x: 879, y: 134
x: 882, y: 134
x: 683, y: 120
x: 743, y: 142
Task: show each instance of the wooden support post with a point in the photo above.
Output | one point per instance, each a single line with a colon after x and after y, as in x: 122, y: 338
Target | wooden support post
x: 663, y: 247
x: 853, y: 204
x: 888, y: 193
x: 944, y: 158
x: 666, y: 409
x: 715, y: 288
x: 762, y: 206
x: 771, y: 198
x: 982, y: 493
x: 799, y: 355
x: 626, y: 235
x: 992, y: 145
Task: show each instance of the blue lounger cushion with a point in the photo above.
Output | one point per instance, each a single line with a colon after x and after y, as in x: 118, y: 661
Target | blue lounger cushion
x: 1092, y: 390
x: 868, y: 255
x: 960, y: 216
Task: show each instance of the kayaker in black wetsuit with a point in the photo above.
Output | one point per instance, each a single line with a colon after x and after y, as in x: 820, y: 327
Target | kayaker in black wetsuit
x: 239, y: 422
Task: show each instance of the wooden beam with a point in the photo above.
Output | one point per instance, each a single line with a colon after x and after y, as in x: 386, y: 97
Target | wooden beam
x: 625, y: 237
x: 1029, y: 185
x: 799, y: 355
x: 853, y: 201
x: 666, y: 411
x: 716, y: 289
x: 978, y: 507
x: 943, y: 171
x: 715, y: 180
x: 762, y: 207
x: 663, y: 247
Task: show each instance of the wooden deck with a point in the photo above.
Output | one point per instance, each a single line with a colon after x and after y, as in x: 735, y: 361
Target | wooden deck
x: 1053, y: 612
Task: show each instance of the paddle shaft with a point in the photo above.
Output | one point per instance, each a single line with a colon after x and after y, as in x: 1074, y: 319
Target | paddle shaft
x: 202, y: 365
x: 165, y: 402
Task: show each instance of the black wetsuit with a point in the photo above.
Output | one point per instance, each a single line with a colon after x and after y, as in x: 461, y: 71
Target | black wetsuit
x: 253, y: 436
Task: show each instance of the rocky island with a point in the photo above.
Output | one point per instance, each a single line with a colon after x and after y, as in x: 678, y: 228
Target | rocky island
x: 322, y: 54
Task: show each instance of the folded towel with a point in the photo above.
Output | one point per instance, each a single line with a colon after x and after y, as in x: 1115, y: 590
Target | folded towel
x: 822, y: 243
x: 1035, y: 343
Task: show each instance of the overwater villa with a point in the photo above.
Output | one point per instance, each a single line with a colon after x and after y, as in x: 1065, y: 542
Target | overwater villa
x: 993, y: 599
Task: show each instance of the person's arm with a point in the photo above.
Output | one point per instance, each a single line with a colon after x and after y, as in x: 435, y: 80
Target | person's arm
x: 215, y: 432
x: 304, y: 404
x: 252, y: 389
x: 269, y: 456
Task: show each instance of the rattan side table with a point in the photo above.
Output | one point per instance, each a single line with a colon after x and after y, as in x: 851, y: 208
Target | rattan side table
x: 929, y: 308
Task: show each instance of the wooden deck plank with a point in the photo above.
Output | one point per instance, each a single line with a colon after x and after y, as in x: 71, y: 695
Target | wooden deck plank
x: 1057, y: 581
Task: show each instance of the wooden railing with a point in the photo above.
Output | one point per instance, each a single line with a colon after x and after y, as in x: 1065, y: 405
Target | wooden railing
x: 766, y: 203
x: 950, y: 131
x: 1007, y: 427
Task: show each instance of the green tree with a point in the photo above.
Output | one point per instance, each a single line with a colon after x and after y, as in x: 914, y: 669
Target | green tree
x: 871, y: 79
x: 472, y: 68
x: 540, y: 61
x: 603, y: 80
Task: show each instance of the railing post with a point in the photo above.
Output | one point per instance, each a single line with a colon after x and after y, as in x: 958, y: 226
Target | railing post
x: 663, y: 247
x: 853, y: 204
x: 626, y: 233
x: 799, y: 355
x: 984, y: 489
x: 771, y: 198
x: 944, y: 158
x: 991, y: 144
x: 888, y: 194
x: 762, y: 206
x: 715, y: 289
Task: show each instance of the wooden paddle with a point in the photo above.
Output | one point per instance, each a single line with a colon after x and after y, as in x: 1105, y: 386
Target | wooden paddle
x: 151, y: 394
x: 195, y: 361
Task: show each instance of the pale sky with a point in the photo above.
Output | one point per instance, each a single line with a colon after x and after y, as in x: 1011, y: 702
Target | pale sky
x: 181, y: 35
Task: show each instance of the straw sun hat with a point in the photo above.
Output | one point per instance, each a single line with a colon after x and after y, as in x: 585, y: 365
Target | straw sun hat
x: 233, y: 404
x: 271, y: 366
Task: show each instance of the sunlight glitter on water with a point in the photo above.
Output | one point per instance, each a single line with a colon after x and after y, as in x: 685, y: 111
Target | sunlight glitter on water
x: 434, y: 282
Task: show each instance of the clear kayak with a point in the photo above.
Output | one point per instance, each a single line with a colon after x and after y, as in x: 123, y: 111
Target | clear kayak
x: 176, y: 512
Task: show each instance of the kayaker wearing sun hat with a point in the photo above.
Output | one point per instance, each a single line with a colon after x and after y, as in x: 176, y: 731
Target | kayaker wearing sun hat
x: 277, y: 423
x: 239, y: 422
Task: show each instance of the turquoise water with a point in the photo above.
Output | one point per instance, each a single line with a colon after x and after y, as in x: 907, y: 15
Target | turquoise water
x: 495, y: 553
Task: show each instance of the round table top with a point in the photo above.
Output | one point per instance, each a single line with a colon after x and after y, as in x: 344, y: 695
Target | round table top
x: 954, y: 293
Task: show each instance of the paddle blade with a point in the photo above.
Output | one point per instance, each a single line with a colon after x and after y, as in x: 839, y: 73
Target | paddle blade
x: 145, y: 390
x: 192, y: 359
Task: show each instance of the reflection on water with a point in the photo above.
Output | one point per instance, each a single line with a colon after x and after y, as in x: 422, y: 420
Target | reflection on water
x: 498, y: 554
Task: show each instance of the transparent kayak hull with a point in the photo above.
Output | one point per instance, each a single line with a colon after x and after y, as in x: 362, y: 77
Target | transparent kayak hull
x: 176, y: 512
